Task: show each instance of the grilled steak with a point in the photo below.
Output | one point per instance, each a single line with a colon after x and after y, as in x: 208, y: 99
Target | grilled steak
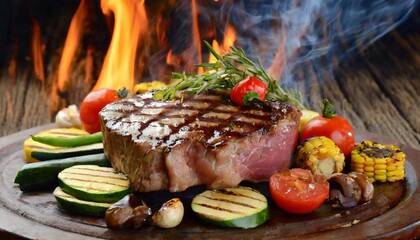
x: 197, y: 139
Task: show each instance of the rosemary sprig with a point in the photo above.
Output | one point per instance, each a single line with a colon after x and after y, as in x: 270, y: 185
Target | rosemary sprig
x: 225, y: 73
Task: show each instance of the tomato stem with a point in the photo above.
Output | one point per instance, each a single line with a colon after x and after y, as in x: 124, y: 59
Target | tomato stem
x: 328, y: 109
x: 122, y: 93
x: 260, y: 103
x: 249, y: 97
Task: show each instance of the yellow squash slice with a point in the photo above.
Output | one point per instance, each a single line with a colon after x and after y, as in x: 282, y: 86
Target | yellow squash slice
x: 30, y: 145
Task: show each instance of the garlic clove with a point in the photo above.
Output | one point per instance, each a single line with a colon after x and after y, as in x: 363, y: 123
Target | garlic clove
x: 68, y: 117
x: 170, y: 214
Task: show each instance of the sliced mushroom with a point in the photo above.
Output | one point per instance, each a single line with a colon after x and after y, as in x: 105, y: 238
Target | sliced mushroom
x: 344, y: 191
x: 366, y: 186
x: 170, y: 214
x: 129, y: 212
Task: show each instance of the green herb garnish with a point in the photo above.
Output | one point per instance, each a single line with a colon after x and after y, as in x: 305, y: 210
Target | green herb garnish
x: 226, y: 72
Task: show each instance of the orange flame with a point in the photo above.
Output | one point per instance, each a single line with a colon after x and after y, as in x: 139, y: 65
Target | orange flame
x: 71, y: 45
x: 130, y: 24
x: 192, y: 55
x: 278, y: 62
x: 229, y: 38
x: 172, y: 60
x: 196, y: 35
x: 228, y: 41
x: 37, y: 51
x: 161, y: 26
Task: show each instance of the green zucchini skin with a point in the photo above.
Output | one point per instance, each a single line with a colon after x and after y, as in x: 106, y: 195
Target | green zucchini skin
x: 69, y: 142
x: 245, y: 222
x: 239, y: 207
x: 72, y: 186
x: 43, y: 175
x: 68, y: 152
x: 80, y: 207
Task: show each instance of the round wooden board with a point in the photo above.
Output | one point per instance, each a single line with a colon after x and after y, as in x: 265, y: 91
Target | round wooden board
x: 393, y: 213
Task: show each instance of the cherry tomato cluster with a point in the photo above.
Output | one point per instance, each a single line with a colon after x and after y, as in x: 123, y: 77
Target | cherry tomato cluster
x: 299, y: 190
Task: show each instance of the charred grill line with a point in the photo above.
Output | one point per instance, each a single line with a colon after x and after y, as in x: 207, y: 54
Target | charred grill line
x: 94, y: 170
x: 189, y: 120
x: 208, y: 131
x: 101, y: 182
x: 92, y: 175
x: 230, y: 201
x: 227, y: 192
x: 220, y: 209
x: 228, y: 125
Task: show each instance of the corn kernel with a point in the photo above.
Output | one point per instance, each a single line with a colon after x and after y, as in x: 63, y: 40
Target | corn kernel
x: 380, y: 161
x: 399, y: 176
x: 369, y: 162
x: 358, y: 165
x: 148, y: 86
x: 380, y: 177
x: 381, y: 167
x: 369, y: 169
x: 391, y: 179
x: 358, y: 159
x: 380, y: 172
x: 391, y: 168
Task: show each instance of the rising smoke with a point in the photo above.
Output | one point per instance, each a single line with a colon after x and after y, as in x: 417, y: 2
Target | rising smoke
x: 312, y: 28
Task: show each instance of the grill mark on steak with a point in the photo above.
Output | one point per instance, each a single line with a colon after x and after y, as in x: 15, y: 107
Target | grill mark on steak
x: 173, y: 145
x: 217, y: 120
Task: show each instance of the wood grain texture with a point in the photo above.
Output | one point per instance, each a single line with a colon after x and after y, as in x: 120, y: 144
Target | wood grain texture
x: 377, y: 90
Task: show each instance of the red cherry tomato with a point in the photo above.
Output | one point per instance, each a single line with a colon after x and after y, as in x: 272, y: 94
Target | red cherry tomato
x: 92, y: 104
x: 298, y: 190
x: 335, y: 128
x: 245, y: 90
x: 329, y: 125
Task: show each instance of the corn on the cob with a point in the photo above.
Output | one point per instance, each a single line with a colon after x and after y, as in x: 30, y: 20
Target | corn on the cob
x: 148, y: 86
x: 378, y: 162
x: 321, y: 156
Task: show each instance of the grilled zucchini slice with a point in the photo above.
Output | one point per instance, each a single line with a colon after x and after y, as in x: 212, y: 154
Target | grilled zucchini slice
x: 94, y: 183
x: 240, y: 207
x: 80, y: 207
